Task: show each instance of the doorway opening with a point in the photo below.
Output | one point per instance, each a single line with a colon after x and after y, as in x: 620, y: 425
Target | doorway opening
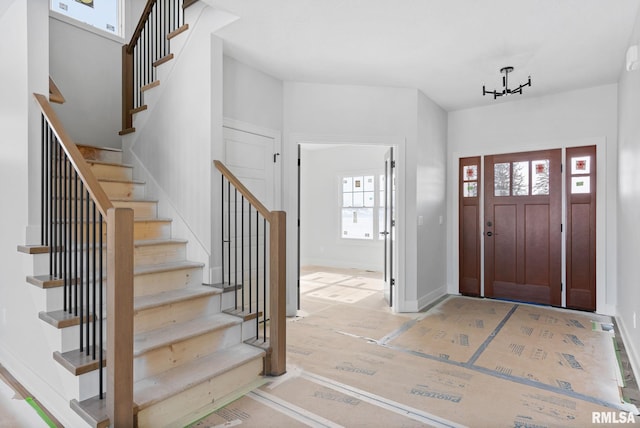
x: 346, y: 233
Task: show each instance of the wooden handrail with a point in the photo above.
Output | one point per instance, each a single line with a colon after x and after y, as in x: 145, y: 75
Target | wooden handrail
x: 138, y: 31
x: 243, y: 190
x: 75, y: 157
x: 55, y: 95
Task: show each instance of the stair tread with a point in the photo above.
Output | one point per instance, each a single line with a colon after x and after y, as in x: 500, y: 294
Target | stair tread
x: 152, y: 242
x: 154, y: 389
x: 132, y: 200
x: 109, y: 149
x: 154, y: 339
x: 117, y: 180
x: 135, y: 220
x: 165, y: 267
x: 153, y: 300
x: 107, y: 163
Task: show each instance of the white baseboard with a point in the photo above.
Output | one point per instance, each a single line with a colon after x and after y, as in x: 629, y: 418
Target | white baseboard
x: 424, y: 301
x: 630, y: 346
x: 342, y: 264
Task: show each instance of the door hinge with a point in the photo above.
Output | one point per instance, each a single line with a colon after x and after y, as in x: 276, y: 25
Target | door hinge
x: 560, y: 227
x: 275, y: 155
x: 393, y: 223
x: 298, y: 161
x: 393, y: 281
x: 561, y: 286
x: 561, y: 168
x: 298, y: 222
x: 393, y: 164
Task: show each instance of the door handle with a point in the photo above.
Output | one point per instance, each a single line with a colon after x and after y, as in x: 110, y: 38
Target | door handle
x: 489, y: 233
x: 384, y: 233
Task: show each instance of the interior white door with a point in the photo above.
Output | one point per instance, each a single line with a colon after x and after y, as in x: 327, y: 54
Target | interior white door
x: 250, y: 157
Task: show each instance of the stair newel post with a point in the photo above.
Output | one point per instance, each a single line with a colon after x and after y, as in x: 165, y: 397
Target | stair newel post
x: 277, y: 289
x: 120, y: 316
x: 127, y: 88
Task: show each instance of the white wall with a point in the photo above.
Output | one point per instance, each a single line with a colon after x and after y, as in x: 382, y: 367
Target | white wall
x: 251, y: 96
x: 87, y: 69
x: 321, y: 196
x: 24, y: 345
x: 321, y: 113
x: 431, y: 195
x: 629, y: 207
x: 581, y: 117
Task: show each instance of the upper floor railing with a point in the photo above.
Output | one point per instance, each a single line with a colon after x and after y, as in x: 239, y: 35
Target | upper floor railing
x: 148, y: 48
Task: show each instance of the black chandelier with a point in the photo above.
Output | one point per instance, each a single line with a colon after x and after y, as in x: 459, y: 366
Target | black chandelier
x: 505, y: 85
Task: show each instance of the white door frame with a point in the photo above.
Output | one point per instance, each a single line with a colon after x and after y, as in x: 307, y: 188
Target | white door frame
x: 290, y: 189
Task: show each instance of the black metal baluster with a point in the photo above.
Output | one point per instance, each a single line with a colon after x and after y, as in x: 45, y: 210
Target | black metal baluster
x: 81, y: 243
x: 42, y: 180
x: 63, y: 225
x: 93, y: 253
x: 222, y: 222
x: 69, y: 231
x: 235, y: 237
x: 56, y: 243
x: 87, y: 272
x: 242, y: 249
x: 257, y: 263
x: 99, y: 315
x: 78, y: 240
x: 73, y: 202
x: 264, y: 278
x: 50, y: 155
x: 250, y: 269
x: 229, y: 234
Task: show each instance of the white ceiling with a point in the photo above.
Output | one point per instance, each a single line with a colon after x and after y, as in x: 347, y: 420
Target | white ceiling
x: 445, y: 48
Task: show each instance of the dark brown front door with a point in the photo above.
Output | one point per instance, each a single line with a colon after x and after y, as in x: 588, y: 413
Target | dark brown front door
x: 522, y: 227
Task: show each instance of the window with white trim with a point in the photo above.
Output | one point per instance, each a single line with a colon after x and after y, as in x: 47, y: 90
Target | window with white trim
x: 104, y: 15
x: 362, y: 213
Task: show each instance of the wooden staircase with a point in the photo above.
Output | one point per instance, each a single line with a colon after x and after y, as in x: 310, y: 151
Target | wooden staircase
x: 189, y: 356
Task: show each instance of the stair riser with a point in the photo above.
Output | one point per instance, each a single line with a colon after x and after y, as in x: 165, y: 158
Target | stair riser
x: 112, y: 172
x: 95, y: 153
x: 166, y: 315
x: 56, y: 296
x: 113, y: 189
x: 142, y: 230
x: 140, y: 209
x: 70, y: 336
x: 161, y: 253
x: 167, y: 357
x: 200, y: 396
x: 80, y: 387
x: 165, y: 281
x: 117, y: 190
